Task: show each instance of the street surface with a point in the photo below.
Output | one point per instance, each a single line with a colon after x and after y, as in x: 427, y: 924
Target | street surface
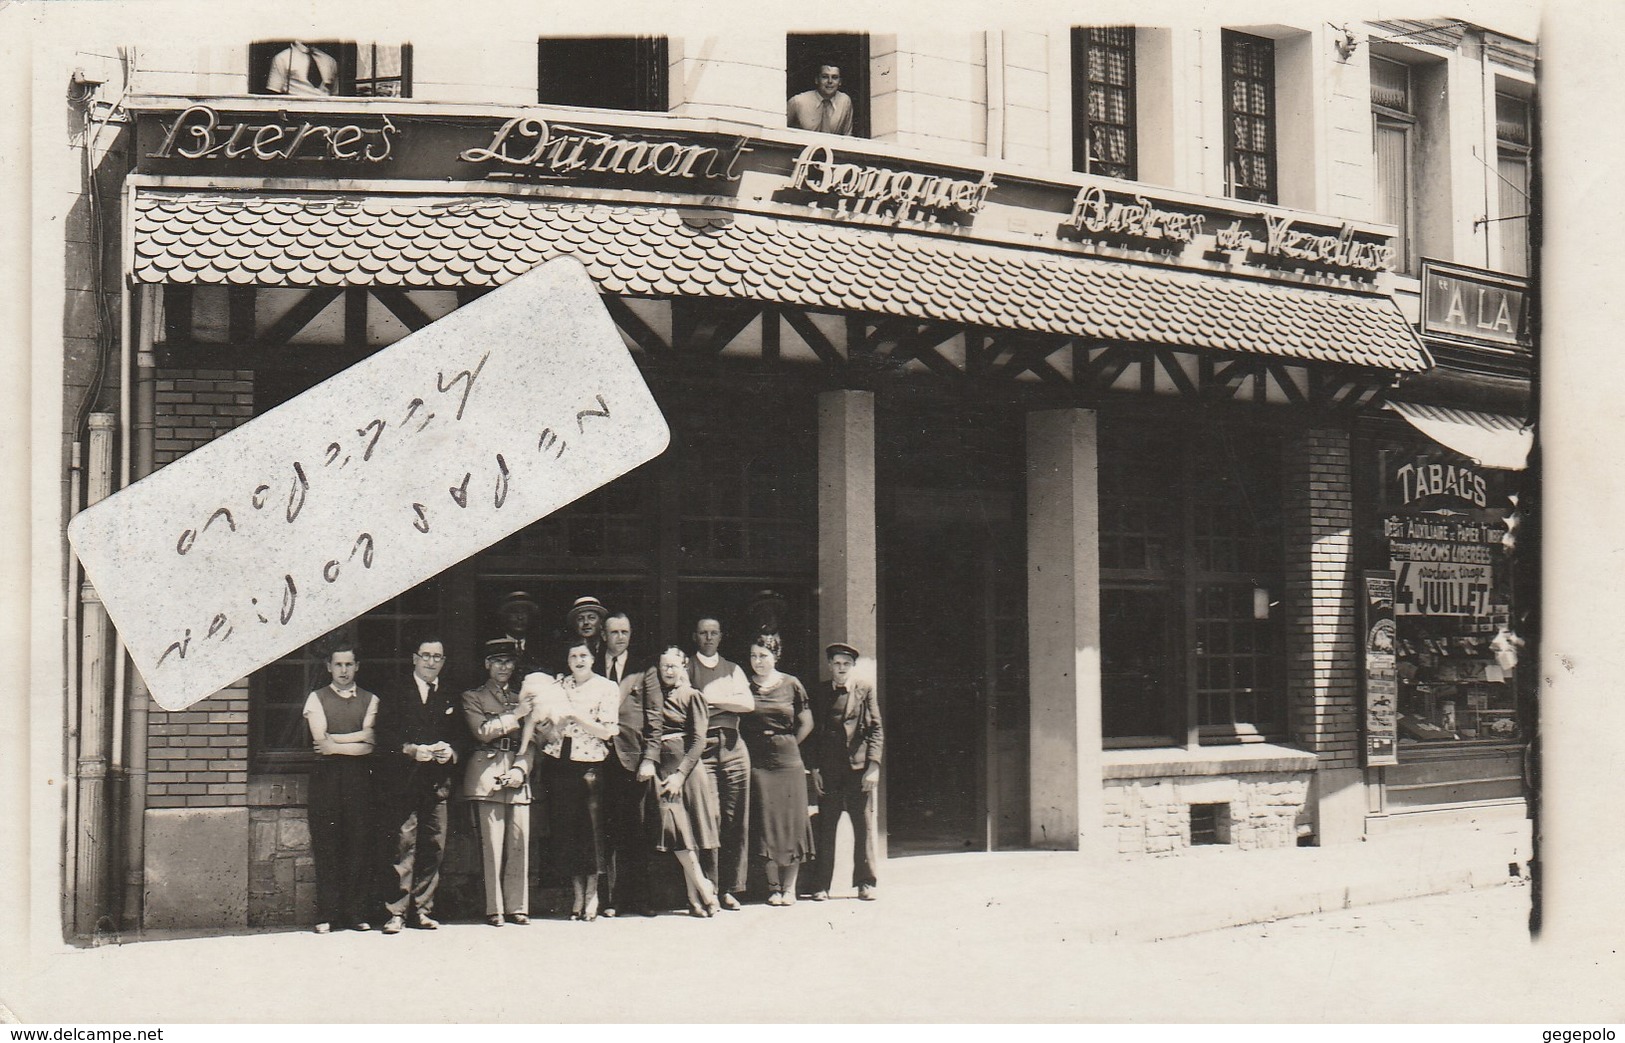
x: 1013, y: 954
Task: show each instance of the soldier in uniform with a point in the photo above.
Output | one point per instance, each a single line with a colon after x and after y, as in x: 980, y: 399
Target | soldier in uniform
x: 496, y: 781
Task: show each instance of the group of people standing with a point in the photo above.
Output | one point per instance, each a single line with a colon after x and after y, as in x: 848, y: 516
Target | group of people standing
x: 687, y: 754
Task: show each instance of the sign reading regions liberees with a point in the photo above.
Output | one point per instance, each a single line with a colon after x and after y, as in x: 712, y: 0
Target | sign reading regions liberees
x: 369, y: 483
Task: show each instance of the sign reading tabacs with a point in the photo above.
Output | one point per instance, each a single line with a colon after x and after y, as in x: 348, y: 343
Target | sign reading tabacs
x: 369, y: 483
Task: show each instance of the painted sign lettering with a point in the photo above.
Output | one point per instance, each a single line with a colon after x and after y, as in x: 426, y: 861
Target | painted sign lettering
x: 1466, y: 305
x: 1422, y: 478
x: 902, y: 194
x: 200, y: 133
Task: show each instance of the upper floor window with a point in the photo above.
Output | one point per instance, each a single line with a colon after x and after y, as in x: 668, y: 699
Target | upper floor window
x: 1103, y: 117
x: 330, y: 68
x: 603, y: 72
x: 827, y: 83
x: 1249, y: 130
x: 1393, y: 144
x: 1514, y: 138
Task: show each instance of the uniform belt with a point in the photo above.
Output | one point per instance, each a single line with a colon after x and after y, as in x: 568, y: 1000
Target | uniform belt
x: 506, y: 744
x: 722, y: 731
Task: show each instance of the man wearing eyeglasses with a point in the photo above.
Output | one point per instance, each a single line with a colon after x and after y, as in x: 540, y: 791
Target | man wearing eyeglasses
x: 421, y: 737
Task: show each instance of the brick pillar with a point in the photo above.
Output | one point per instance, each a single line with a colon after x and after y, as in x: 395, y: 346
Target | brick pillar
x: 1322, y: 619
x: 1063, y: 627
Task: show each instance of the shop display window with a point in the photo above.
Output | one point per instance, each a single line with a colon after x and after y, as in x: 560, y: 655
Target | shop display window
x: 1440, y: 529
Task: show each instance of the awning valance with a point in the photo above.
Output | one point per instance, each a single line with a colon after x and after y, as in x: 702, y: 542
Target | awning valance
x: 1490, y: 438
x: 354, y: 239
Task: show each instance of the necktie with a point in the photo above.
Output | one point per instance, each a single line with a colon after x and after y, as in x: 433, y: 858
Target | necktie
x: 826, y: 116
x: 313, y: 71
x: 434, y: 686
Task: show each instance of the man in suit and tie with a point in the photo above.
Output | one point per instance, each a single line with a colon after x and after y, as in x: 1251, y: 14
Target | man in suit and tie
x: 421, y: 738
x: 826, y: 108
x: 518, y: 611
x: 627, y: 882
x: 846, y: 746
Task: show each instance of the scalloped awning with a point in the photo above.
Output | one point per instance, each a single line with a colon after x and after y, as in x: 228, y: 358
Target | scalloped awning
x: 305, y: 239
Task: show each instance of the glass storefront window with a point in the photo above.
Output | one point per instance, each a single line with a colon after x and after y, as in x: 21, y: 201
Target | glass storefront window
x: 1440, y: 527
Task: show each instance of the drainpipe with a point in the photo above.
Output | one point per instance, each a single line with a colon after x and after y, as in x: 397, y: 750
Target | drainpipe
x: 994, y: 40
x: 135, y: 822
x: 90, y: 885
x: 117, y: 782
x: 71, y: 693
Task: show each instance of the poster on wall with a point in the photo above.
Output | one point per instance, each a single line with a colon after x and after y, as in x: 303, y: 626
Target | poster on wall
x: 1381, y: 680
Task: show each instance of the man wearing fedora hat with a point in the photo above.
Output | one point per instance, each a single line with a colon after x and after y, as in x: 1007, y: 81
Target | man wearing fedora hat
x: 846, y: 744
x: 585, y: 622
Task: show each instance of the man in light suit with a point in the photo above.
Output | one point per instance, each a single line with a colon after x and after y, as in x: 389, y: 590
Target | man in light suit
x: 626, y: 885
x: 846, y: 746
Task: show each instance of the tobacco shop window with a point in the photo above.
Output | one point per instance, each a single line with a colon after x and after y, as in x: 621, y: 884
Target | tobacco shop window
x: 1393, y: 142
x: 1103, y: 116
x: 1514, y: 140
x: 1249, y: 129
x: 1190, y: 566
x: 330, y: 68
x: 1440, y: 529
x: 603, y: 72
x: 277, y: 736
x: 805, y: 57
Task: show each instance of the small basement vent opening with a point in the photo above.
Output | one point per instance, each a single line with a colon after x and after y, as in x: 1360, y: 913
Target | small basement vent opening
x: 1210, y: 824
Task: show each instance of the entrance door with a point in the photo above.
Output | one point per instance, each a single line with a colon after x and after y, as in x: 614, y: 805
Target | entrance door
x: 937, y: 668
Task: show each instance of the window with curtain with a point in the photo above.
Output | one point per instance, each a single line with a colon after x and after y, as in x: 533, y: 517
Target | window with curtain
x: 1392, y: 140
x: 1249, y: 132
x: 1103, y: 117
x: 1513, y: 141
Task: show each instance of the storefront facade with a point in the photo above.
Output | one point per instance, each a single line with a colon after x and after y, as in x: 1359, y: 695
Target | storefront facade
x: 1095, y: 470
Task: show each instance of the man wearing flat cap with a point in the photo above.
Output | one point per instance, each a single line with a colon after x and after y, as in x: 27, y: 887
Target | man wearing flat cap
x: 846, y: 745
x: 495, y: 780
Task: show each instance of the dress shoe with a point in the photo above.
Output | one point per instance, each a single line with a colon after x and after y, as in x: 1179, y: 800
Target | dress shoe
x: 394, y: 924
x: 324, y: 928
x: 730, y: 903
x: 519, y: 918
x: 776, y: 899
x: 427, y: 923
x: 361, y: 926
x: 820, y: 896
x: 866, y: 893
x: 495, y: 919
x: 610, y: 913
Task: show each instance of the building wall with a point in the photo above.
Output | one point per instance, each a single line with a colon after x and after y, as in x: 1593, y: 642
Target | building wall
x: 198, y: 757
x: 1152, y: 816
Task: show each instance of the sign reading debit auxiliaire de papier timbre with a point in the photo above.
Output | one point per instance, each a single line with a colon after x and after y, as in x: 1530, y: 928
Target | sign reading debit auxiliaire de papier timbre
x: 369, y: 483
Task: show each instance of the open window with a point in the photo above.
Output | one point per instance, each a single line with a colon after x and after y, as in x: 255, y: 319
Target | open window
x: 604, y: 72
x: 1514, y: 145
x: 807, y: 53
x: 333, y: 68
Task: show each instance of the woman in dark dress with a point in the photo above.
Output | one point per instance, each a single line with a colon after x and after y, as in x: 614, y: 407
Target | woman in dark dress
x: 778, y: 785
x: 690, y: 819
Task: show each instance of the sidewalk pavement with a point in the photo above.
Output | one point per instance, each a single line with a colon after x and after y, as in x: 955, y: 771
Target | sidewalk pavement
x: 964, y: 937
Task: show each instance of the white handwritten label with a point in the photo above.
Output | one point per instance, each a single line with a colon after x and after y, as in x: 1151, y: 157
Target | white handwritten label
x: 369, y: 483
